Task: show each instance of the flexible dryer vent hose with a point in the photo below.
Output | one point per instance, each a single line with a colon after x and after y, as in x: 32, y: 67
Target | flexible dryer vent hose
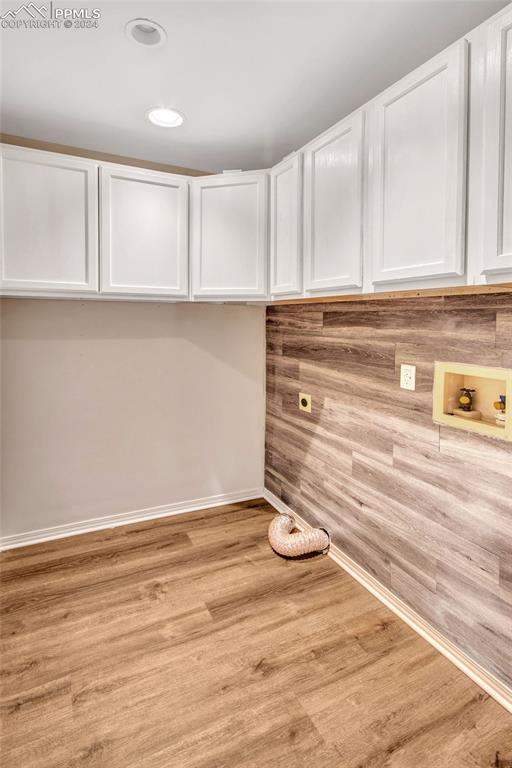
x: 289, y: 544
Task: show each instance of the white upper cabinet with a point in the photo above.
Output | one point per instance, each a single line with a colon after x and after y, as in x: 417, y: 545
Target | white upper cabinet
x: 49, y: 227
x: 497, y: 151
x: 144, y: 232
x: 333, y: 207
x: 384, y: 189
x: 286, y: 227
x: 417, y: 172
x: 229, y: 235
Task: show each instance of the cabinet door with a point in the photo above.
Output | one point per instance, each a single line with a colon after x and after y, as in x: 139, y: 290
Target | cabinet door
x: 49, y: 211
x: 417, y: 178
x: 497, y: 155
x: 229, y: 235
x: 144, y: 232
x: 333, y: 205
x: 286, y: 227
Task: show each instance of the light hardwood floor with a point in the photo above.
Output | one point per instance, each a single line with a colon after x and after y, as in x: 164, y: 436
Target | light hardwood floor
x: 186, y: 643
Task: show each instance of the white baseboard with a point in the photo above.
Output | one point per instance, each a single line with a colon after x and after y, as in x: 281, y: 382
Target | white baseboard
x: 136, y: 516
x: 486, y: 680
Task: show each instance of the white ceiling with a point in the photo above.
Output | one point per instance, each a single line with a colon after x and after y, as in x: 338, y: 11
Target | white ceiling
x: 255, y: 80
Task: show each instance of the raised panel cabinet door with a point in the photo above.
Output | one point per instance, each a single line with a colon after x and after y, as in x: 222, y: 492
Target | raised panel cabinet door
x: 49, y: 222
x: 417, y: 177
x: 333, y: 207
x: 144, y: 232
x: 497, y: 154
x: 229, y: 235
x: 286, y: 227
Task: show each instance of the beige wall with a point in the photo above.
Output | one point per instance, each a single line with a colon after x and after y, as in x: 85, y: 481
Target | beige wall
x: 110, y: 407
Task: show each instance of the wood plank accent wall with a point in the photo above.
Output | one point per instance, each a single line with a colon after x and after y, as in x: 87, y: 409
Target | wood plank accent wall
x: 426, y: 509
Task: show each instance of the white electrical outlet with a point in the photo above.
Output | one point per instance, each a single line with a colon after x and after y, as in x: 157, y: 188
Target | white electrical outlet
x: 408, y: 376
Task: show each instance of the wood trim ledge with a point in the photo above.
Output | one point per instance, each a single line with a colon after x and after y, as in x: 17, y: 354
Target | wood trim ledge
x: 103, y: 157
x: 460, y: 290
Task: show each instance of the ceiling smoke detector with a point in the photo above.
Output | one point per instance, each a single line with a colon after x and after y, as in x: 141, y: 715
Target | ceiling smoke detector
x: 146, y: 32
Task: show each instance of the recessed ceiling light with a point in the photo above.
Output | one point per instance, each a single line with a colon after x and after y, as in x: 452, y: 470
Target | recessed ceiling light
x: 146, y: 32
x: 164, y: 117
